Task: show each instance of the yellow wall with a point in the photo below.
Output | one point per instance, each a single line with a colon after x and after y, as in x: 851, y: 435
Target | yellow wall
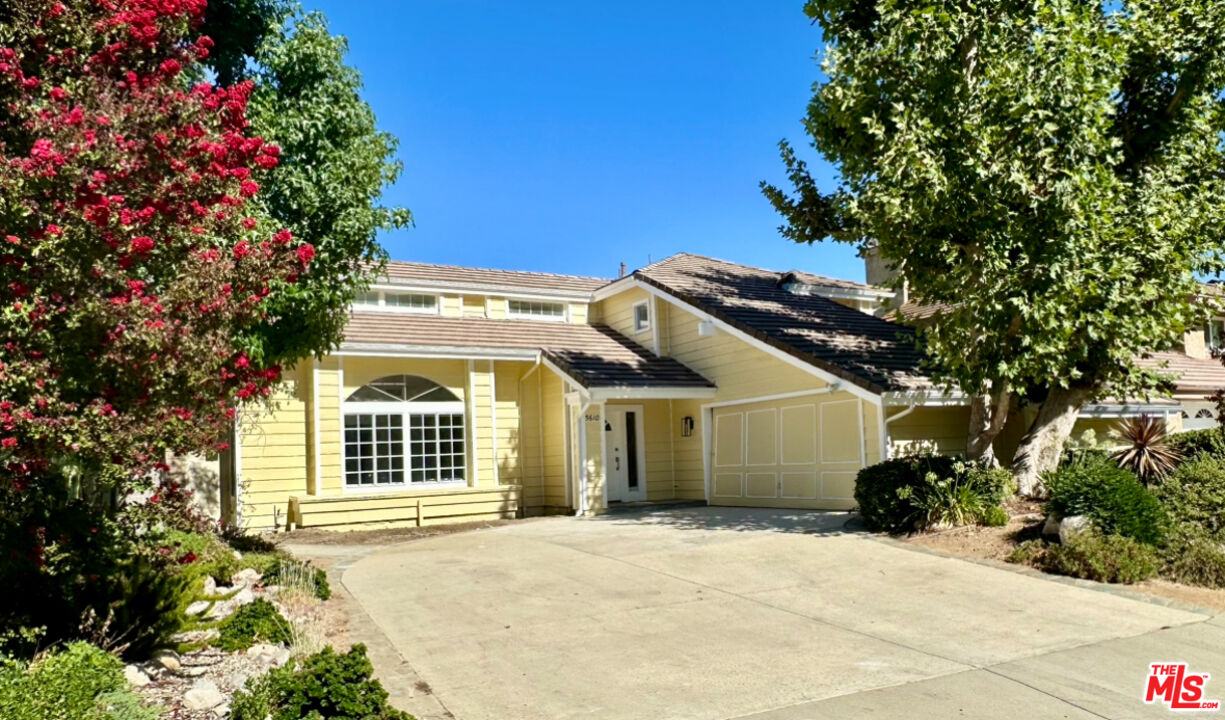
x: 942, y: 430
x: 272, y: 453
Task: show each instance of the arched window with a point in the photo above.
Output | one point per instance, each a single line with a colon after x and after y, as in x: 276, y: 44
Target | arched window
x: 378, y: 454
x: 1203, y: 413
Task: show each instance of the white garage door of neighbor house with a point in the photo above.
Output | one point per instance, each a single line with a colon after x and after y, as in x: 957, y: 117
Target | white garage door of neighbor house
x: 789, y: 454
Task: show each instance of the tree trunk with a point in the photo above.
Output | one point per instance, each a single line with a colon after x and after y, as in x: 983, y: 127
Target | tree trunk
x: 1042, y: 447
x: 988, y: 413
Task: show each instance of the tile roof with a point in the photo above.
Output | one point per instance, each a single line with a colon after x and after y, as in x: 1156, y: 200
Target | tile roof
x: 860, y: 348
x: 399, y: 271
x: 825, y: 281
x: 593, y: 355
x: 1192, y: 375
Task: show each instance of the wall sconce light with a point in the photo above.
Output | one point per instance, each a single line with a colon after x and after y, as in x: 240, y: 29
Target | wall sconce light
x: 607, y: 426
x: 687, y: 426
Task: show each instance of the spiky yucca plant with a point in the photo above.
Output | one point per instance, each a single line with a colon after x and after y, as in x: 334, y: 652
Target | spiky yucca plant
x: 1149, y: 454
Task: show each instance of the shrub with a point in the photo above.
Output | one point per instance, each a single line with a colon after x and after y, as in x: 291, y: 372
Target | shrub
x: 925, y: 490
x: 200, y: 555
x: 79, y: 682
x: 1193, y: 557
x: 299, y: 573
x: 256, y: 622
x: 1112, y: 496
x: 327, y: 684
x: 1210, y: 441
x: 1093, y: 556
x: 1195, y: 493
x: 994, y: 516
x: 1149, y: 452
x: 170, y: 507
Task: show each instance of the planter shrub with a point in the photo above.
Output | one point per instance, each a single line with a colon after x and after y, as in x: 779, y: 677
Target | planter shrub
x: 1210, y: 441
x: 1116, y: 501
x: 1193, y: 557
x: 79, y: 682
x: 256, y: 622
x: 1092, y: 556
x: 328, y: 684
x: 1195, y: 493
x: 904, y: 494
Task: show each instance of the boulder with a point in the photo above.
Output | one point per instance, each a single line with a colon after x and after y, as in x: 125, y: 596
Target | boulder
x: 248, y: 577
x: 244, y: 597
x: 203, y: 695
x: 135, y: 676
x: 166, y: 660
x: 210, y: 585
x: 221, y: 711
x: 197, y: 607
x: 1072, y: 526
x: 268, y: 654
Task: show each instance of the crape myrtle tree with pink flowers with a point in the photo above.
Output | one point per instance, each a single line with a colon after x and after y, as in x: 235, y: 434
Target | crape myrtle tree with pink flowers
x: 142, y: 279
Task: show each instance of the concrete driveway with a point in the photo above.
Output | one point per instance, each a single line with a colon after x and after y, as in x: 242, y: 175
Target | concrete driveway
x: 735, y: 613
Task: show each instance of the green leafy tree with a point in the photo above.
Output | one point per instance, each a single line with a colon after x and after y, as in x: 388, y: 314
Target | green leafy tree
x: 1051, y: 172
x: 335, y: 162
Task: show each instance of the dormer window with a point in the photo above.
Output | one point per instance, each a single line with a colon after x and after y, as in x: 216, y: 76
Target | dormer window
x: 536, y: 309
x: 642, y: 316
x: 1214, y: 334
x: 423, y: 303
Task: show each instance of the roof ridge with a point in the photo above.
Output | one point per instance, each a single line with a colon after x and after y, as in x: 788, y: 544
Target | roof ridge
x: 535, y: 273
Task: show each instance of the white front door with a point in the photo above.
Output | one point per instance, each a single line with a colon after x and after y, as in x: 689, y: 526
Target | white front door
x: 625, y: 456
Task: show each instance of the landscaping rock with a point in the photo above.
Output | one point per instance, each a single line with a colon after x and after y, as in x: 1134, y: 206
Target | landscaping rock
x: 244, y: 597
x: 1072, y: 526
x: 248, y: 577
x: 203, y: 695
x: 197, y: 607
x: 1051, y: 527
x: 167, y: 660
x: 135, y: 676
x: 222, y: 711
x: 210, y: 585
x: 268, y: 654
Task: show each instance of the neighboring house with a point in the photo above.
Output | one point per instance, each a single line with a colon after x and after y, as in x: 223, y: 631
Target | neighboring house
x: 465, y: 394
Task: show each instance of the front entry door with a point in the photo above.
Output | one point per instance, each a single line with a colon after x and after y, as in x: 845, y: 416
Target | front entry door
x: 624, y: 453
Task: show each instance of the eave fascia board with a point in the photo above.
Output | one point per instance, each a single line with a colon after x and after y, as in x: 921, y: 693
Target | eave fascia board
x: 925, y: 398
x: 824, y: 375
x: 601, y: 394
x: 615, y: 287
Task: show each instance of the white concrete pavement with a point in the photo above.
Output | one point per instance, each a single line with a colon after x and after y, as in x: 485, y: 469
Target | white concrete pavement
x: 781, y: 615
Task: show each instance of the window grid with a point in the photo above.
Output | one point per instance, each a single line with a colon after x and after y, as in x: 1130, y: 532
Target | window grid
x: 367, y: 298
x: 642, y: 317
x: 536, y: 308
x: 375, y: 449
x: 412, y: 301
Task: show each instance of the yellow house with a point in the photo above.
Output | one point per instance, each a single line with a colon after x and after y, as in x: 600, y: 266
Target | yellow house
x: 466, y: 394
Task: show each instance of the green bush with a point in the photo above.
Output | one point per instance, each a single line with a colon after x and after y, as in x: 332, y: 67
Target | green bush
x: 287, y: 567
x: 909, y: 493
x: 256, y: 622
x: 1093, y: 556
x: 1195, y: 493
x: 1111, y: 496
x: 200, y: 555
x: 331, y: 685
x: 994, y: 516
x: 79, y: 682
x: 1200, y: 442
x: 1193, y: 557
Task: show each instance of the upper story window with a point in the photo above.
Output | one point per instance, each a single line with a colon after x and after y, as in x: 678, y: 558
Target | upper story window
x: 536, y: 309
x: 642, y: 316
x: 399, y: 301
x: 1214, y: 334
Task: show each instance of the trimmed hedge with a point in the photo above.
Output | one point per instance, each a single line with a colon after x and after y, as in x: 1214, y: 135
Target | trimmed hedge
x: 1195, y: 494
x: 1093, y: 556
x: 1210, y: 441
x: 1116, y: 501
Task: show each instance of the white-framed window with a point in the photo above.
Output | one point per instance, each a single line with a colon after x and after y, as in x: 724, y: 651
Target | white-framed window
x: 536, y: 309
x: 403, y: 431
x: 642, y: 316
x: 1214, y: 334
x: 391, y: 300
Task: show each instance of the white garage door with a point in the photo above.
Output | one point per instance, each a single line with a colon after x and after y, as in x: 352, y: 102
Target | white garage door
x: 801, y: 453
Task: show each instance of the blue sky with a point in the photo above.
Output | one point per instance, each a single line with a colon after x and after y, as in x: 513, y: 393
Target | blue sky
x: 572, y: 136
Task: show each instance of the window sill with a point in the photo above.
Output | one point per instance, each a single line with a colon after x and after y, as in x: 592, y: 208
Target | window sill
x: 406, y: 488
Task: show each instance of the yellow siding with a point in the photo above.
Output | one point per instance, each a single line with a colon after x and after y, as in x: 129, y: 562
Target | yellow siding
x: 273, y: 454
x: 553, y: 455
x: 738, y: 369
x: 411, y: 509
x: 690, y: 475
x: 941, y: 430
x: 329, y: 426
x: 452, y: 306
x: 473, y: 306
x: 578, y: 313
x: 495, y: 308
x: 508, y: 447
x: 617, y: 312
